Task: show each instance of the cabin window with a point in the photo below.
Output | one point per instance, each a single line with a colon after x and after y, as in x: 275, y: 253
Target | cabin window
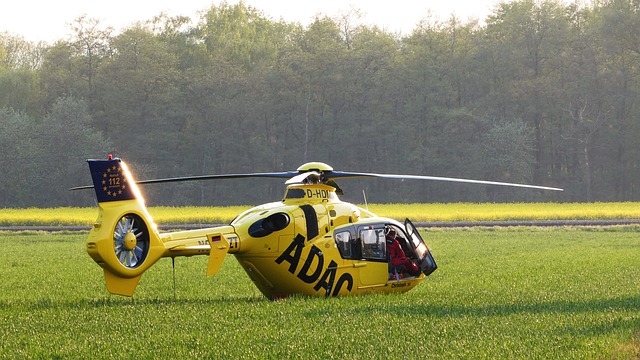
x: 343, y: 240
x: 373, y: 244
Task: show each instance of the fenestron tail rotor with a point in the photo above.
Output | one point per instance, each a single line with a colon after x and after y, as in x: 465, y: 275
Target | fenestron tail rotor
x: 131, y: 241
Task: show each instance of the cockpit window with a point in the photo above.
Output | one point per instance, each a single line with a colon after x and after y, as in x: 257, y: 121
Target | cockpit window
x: 373, y: 244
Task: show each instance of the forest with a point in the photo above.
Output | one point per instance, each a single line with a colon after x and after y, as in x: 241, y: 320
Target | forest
x: 541, y: 92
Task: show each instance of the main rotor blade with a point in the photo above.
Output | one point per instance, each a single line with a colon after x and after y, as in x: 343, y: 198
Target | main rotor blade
x: 298, y: 177
x: 283, y: 175
x: 346, y: 174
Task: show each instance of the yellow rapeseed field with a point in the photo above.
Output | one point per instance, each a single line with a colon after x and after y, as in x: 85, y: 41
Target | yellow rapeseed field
x: 415, y: 212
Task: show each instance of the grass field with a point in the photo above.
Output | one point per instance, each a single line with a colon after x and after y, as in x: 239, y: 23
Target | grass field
x: 560, y: 293
x: 416, y: 212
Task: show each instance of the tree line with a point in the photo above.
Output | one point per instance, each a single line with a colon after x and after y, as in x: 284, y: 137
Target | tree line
x: 539, y: 92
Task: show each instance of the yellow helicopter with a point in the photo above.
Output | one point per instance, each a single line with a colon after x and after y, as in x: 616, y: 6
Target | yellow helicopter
x: 308, y: 243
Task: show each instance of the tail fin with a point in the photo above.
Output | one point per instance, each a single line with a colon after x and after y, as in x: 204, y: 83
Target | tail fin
x: 124, y: 240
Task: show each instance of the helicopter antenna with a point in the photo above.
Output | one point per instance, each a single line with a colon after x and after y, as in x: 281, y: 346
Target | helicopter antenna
x: 365, y: 200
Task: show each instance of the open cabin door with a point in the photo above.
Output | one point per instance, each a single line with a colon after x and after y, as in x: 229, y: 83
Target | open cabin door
x: 425, y: 260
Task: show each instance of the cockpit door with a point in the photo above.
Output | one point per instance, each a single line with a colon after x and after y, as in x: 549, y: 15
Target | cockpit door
x: 425, y: 260
x: 373, y: 251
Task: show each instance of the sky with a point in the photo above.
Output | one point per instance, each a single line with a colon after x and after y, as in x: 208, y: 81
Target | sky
x: 43, y: 20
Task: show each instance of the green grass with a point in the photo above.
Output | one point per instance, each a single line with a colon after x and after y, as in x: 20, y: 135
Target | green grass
x: 416, y: 212
x: 561, y: 293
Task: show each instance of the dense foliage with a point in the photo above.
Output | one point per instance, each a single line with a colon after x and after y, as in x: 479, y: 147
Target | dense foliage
x: 540, y: 92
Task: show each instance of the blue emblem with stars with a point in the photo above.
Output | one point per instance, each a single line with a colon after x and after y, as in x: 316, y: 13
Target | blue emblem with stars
x: 110, y: 180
